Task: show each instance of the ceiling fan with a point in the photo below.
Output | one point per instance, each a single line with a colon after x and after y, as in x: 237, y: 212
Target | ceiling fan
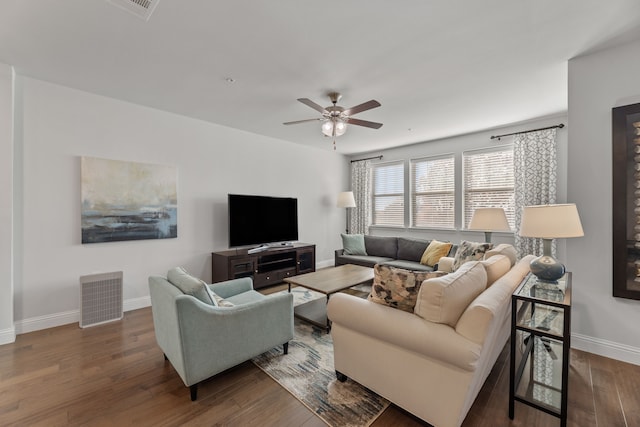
x: 335, y: 118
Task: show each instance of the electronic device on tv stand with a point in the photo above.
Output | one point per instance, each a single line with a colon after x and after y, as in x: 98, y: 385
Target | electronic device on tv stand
x: 262, y: 220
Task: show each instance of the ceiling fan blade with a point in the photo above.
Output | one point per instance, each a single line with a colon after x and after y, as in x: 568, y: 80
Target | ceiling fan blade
x: 313, y: 105
x: 362, y: 107
x: 302, y: 121
x: 365, y: 123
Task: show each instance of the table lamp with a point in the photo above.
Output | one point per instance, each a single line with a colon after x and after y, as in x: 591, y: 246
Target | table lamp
x: 346, y: 200
x: 550, y: 222
x: 488, y: 220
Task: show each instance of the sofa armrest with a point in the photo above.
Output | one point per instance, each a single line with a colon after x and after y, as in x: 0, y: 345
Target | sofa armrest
x: 397, y: 327
x: 337, y: 255
x: 232, y: 287
x: 445, y: 264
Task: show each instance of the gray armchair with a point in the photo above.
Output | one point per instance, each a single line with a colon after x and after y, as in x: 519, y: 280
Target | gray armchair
x: 201, y: 339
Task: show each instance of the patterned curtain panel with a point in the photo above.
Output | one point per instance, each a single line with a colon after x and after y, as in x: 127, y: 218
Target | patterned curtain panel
x: 535, y: 166
x: 361, y: 187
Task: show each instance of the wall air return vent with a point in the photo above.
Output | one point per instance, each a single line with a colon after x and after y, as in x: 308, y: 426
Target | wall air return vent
x: 100, y: 298
x: 141, y: 8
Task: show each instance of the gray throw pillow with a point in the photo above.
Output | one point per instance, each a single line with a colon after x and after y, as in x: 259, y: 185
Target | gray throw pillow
x: 353, y: 244
x: 189, y: 285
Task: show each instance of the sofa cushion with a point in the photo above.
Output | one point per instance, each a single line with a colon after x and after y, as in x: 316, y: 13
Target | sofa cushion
x: 434, y: 252
x: 396, y: 287
x: 470, y: 251
x: 363, y: 260
x: 408, y: 265
x: 381, y: 246
x: 475, y: 323
x: 189, y: 285
x: 503, y: 249
x: 411, y: 249
x: 353, y: 244
x: 443, y: 299
x: 496, y: 267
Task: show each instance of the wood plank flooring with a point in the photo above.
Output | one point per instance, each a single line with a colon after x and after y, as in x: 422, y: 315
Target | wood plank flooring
x: 115, y: 374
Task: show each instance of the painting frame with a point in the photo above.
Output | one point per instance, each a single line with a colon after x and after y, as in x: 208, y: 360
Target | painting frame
x: 626, y: 200
x: 124, y: 200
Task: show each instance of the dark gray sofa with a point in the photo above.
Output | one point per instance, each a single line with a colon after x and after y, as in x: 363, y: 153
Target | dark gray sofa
x: 401, y: 252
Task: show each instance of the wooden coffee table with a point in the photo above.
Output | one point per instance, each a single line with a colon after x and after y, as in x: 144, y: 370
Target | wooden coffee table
x: 327, y: 281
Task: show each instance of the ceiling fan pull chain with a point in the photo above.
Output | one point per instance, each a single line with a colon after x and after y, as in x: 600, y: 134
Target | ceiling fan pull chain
x: 334, y: 144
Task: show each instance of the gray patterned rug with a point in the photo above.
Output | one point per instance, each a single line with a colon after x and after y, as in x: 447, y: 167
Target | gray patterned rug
x: 307, y: 372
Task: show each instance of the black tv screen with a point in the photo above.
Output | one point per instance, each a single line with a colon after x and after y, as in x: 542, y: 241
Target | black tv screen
x: 262, y: 219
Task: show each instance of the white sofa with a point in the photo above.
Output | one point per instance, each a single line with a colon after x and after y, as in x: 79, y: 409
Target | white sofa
x: 432, y: 366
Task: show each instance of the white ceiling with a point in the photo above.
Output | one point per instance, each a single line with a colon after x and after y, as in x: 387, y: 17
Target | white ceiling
x: 439, y: 68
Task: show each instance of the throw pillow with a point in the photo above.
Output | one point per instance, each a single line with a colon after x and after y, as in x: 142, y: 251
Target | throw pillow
x: 353, y: 244
x: 470, y: 251
x: 444, y: 299
x: 218, y: 301
x: 396, y: 287
x: 434, y: 252
x: 189, y: 285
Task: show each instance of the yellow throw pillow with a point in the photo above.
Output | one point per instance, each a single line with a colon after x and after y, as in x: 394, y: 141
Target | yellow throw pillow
x: 434, y: 252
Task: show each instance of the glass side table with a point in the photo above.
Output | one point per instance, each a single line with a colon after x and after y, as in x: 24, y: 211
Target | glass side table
x: 540, y: 345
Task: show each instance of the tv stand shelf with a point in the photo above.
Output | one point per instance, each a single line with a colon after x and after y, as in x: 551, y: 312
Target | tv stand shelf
x: 267, y: 267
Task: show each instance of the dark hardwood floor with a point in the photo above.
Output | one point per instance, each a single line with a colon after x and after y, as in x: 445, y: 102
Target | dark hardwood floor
x: 115, y: 374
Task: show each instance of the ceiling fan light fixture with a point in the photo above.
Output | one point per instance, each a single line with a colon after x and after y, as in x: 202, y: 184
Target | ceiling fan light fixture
x: 332, y: 125
x: 327, y: 128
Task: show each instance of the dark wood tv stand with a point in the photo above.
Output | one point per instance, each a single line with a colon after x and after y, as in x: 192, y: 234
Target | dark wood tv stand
x: 266, y: 268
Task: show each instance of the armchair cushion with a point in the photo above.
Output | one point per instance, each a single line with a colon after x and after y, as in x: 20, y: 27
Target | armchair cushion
x: 189, y: 285
x: 396, y: 287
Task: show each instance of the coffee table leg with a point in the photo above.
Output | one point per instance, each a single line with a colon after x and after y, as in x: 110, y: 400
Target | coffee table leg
x: 328, y: 321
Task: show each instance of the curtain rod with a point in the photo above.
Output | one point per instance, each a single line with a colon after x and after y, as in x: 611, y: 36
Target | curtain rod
x: 368, y: 158
x: 560, y: 126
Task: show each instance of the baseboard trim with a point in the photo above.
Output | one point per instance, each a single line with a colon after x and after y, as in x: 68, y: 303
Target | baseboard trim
x: 7, y: 336
x: 610, y: 349
x: 64, y: 318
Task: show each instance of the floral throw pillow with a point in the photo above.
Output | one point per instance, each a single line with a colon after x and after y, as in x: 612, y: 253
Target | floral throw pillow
x: 470, y: 251
x: 397, y: 287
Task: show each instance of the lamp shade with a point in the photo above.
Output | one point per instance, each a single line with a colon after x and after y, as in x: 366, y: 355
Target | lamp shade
x: 489, y: 219
x: 551, y: 221
x: 346, y: 200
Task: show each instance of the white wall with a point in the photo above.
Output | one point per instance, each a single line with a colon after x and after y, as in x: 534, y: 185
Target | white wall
x: 598, y: 82
x: 59, y: 125
x: 457, y: 145
x: 7, y: 332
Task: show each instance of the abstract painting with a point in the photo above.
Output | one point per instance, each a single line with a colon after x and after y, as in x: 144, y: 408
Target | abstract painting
x: 127, y: 201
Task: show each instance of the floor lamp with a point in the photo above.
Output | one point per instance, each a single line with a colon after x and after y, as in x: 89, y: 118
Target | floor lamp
x: 346, y: 200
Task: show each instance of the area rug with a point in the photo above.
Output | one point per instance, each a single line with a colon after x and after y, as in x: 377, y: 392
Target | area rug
x: 307, y: 372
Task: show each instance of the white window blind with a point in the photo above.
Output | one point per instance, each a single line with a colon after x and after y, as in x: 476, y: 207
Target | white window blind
x: 433, y: 192
x: 488, y: 181
x: 388, y: 194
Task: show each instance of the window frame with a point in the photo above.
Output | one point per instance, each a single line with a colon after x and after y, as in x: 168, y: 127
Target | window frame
x: 510, y: 210
x: 401, y: 195
x: 413, y: 194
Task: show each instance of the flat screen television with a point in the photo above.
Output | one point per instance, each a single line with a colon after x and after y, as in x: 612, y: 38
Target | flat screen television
x: 262, y: 219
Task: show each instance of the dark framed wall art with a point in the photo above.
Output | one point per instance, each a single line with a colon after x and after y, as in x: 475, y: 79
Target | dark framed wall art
x: 626, y: 201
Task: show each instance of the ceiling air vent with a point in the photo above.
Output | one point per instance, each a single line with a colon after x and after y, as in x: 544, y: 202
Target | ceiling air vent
x: 141, y: 8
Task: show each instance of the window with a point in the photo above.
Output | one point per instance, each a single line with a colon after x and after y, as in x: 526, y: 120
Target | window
x: 388, y: 194
x: 488, y: 181
x: 433, y: 192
